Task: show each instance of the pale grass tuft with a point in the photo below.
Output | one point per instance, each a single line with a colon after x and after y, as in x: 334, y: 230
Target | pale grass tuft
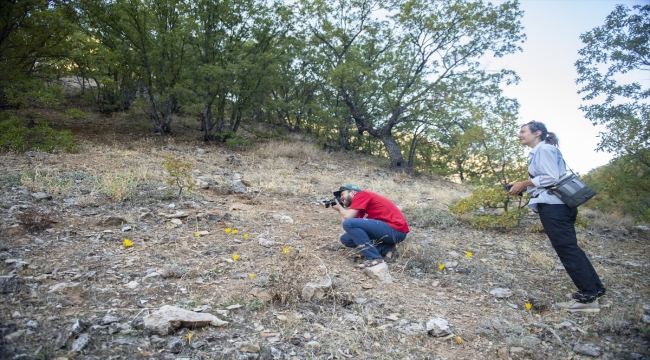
x: 540, y: 260
x: 49, y: 181
x: 599, y: 219
x: 118, y: 186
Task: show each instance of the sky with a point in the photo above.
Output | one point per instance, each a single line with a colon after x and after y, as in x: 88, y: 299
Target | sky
x: 547, y: 91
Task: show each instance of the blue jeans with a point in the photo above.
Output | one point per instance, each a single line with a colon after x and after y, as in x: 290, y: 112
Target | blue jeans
x: 373, y: 238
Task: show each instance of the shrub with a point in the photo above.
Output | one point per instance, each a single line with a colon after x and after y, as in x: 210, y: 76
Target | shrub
x: 15, y: 136
x: 491, y: 207
x: 179, y: 173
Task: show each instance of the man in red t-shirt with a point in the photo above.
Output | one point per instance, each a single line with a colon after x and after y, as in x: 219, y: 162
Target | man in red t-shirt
x: 372, y: 223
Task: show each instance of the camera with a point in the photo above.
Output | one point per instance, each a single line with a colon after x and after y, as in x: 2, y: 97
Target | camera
x: 508, y: 187
x: 333, y: 202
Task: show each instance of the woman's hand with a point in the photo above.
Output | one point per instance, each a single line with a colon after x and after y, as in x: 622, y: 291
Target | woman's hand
x: 518, y: 187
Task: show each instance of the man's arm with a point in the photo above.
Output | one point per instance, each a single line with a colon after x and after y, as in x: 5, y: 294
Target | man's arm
x: 345, y: 213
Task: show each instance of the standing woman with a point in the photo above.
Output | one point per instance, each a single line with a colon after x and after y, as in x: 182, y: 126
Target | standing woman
x: 545, y: 168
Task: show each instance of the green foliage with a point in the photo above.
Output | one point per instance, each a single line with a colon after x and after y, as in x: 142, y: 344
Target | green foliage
x: 237, y: 141
x: 623, y: 186
x: 179, y: 173
x: 491, y: 207
x: 15, y: 136
x: 620, y: 46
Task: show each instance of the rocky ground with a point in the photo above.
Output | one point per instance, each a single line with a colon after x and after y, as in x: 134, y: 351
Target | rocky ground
x: 252, y: 256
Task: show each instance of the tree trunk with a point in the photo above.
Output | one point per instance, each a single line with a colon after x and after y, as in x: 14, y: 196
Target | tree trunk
x: 394, y: 152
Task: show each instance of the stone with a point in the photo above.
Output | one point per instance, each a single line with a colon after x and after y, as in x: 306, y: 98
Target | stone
x: 127, y: 228
x: 316, y: 290
x: 62, y: 286
x: 32, y: 324
x: 438, y: 327
x: 146, y: 215
x: 247, y: 347
x: 266, y: 243
x: 516, y: 350
x: 286, y: 219
x: 379, y: 272
x: 411, y: 329
x: 132, y: 284
x: 176, y: 221
x: 176, y: 215
x: 168, y: 318
x: 501, y: 293
x: 261, y: 294
x: 353, y: 318
x: 80, y: 343
x: 502, y: 353
x: 313, y: 344
x: 112, y: 221
x: 109, y: 319
x: 587, y: 349
x: 451, y: 264
x: 41, y: 196
x: 175, y: 344
x: 234, y: 306
x: 14, y: 336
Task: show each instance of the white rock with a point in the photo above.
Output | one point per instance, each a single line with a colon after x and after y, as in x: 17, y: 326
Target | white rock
x: 286, y: 219
x: 235, y: 306
x: 109, y: 319
x: 168, y: 318
x: 62, y: 286
x: 438, y: 327
x: 501, y: 293
x: 587, y: 349
x: 266, y: 243
x: 451, y: 264
x: 80, y: 343
x: 316, y: 290
x: 132, y: 284
x: 380, y: 272
x: 176, y: 221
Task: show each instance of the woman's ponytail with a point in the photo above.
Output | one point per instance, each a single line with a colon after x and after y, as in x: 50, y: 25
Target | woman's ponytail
x: 549, y: 137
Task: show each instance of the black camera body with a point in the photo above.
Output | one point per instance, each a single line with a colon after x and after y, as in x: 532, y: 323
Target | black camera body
x: 333, y: 202
x: 508, y: 187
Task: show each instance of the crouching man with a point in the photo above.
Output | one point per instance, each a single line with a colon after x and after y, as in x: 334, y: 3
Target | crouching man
x: 372, y: 223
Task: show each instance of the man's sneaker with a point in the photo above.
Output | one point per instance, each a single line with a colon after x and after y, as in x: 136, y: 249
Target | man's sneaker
x: 603, y: 302
x: 575, y: 306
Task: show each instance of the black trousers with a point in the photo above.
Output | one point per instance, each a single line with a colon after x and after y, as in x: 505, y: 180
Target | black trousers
x: 559, y: 223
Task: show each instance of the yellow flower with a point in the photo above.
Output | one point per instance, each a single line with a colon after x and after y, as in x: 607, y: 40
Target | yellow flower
x: 188, y: 337
x: 528, y: 305
x: 227, y: 230
x: 441, y: 266
x: 459, y: 340
x: 285, y: 250
x: 245, y: 235
x: 234, y: 231
x: 196, y: 234
x: 127, y: 243
x: 252, y: 276
x: 235, y: 257
x: 468, y: 254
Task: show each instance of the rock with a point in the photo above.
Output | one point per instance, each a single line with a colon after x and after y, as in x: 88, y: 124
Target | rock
x: 438, y: 327
x: 516, y: 350
x: 502, y: 353
x: 132, y: 284
x: 316, y: 290
x: 564, y: 324
x: 168, y: 318
x: 41, y: 196
x: 411, y: 329
x: 11, y: 284
x: 501, y: 293
x: 451, y: 264
x: 642, y: 228
x: 266, y: 243
x: 109, y: 319
x: 127, y: 228
x: 176, y: 221
x: 353, y: 318
x: 80, y: 343
x: 247, y: 347
x: 380, y: 272
x: 646, y: 318
x: 286, y: 219
x: 146, y: 215
x: 202, y: 184
x: 112, y: 221
x: 177, y: 215
x: 32, y: 324
x: 234, y: 306
x: 587, y: 349
x: 62, y: 286
x: 14, y: 336
x: 65, y: 334
x: 175, y: 345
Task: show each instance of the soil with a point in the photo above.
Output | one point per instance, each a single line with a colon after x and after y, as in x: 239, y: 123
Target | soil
x: 65, y: 267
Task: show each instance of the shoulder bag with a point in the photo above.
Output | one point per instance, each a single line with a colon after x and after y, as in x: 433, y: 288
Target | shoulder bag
x: 572, y: 191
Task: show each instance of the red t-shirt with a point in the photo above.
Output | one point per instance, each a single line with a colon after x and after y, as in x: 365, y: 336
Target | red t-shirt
x: 377, y: 207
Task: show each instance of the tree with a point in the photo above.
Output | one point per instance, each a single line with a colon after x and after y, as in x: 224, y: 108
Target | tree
x: 387, y: 70
x: 150, y: 37
x: 33, y: 45
x: 619, y: 47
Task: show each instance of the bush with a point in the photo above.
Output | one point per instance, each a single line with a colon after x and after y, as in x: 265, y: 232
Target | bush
x: 491, y: 207
x: 15, y: 136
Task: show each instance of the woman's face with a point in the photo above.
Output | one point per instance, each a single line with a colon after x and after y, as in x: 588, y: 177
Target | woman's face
x: 527, y: 138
